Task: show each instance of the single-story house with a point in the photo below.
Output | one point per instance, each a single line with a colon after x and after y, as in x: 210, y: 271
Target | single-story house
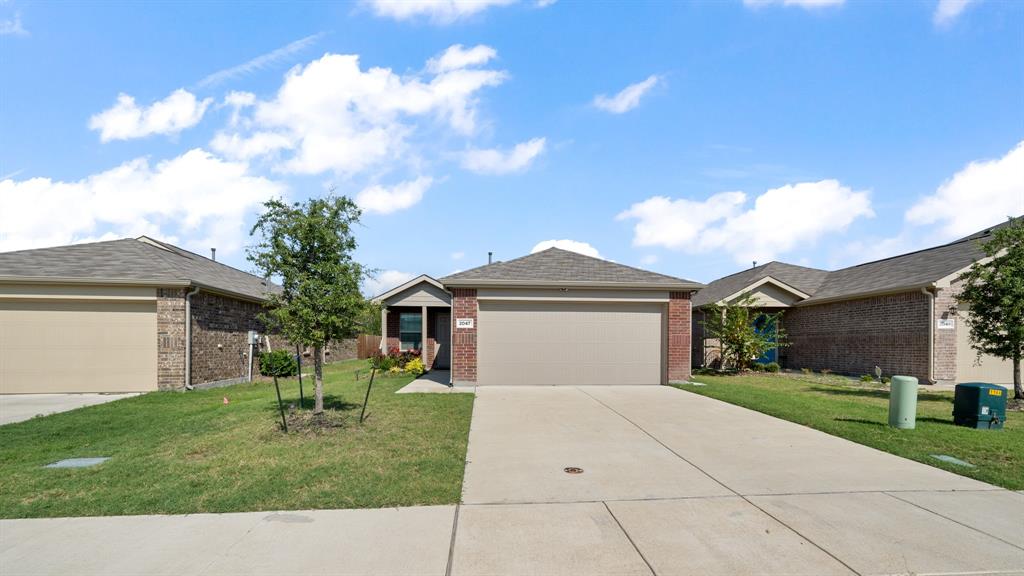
x: 551, y: 318
x: 129, y: 315
x: 898, y: 313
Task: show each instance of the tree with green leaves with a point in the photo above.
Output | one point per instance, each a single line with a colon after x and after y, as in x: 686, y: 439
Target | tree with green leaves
x: 308, y: 247
x: 744, y: 332
x: 993, y: 290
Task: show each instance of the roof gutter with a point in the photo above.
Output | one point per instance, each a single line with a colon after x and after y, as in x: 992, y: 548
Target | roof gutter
x: 127, y: 282
x: 675, y: 287
x: 812, y: 301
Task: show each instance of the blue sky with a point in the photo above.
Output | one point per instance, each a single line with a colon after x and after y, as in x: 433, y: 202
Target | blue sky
x: 687, y: 138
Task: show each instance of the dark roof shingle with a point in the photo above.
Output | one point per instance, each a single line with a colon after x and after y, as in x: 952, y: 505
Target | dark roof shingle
x: 141, y: 260
x: 806, y: 280
x: 561, y: 267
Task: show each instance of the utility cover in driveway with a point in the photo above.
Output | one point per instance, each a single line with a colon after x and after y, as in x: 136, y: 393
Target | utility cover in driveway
x: 569, y: 343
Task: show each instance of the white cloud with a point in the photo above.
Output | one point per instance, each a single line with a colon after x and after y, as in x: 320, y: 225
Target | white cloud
x: 457, y: 57
x: 458, y: 255
x: 126, y: 120
x: 779, y: 221
x: 628, y: 98
x: 807, y: 4
x: 238, y: 101
x: 494, y: 161
x: 385, y: 280
x: 260, y: 62
x: 330, y: 115
x: 947, y: 11
x: 381, y: 200
x: 570, y: 245
x: 983, y: 193
x: 437, y: 11
x: 195, y: 196
x: 12, y: 26
x: 649, y: 259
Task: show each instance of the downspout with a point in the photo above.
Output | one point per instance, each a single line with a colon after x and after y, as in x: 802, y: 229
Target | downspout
x: 931, y: 333
x: 188, y: 337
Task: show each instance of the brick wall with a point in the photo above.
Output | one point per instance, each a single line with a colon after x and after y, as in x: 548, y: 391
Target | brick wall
x: 220, y: 337
x: 679, y: 333
x: 170, y: 329
x: 393, y: 326
x: 464, y: 305
x: 854, y: 336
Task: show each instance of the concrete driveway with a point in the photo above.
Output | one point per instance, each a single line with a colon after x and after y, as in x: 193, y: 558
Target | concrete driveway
x: 676, y: 483
x: 20, y: 407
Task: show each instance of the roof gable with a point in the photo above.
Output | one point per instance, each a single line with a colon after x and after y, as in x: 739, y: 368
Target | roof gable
x: 799, y: 280
x: 557, y: 267
x: 423, y: 283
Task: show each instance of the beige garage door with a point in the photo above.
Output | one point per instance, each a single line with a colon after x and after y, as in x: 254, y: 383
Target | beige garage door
x: 569, y: 343
x: 970, y: 368
x: 48, y: 347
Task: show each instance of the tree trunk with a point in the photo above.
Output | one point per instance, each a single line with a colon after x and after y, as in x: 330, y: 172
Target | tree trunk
x: 1018, y: 390
x: 318, y: 390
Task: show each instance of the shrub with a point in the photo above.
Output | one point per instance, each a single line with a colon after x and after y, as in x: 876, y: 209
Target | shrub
x: 807, y: 371
x: 867, y: 378
x: 885, y: 379
x: 757, y: 367
x: 279, y: 363
x: 394, y: 371
x: 415, y: 367
x: 771, y: 367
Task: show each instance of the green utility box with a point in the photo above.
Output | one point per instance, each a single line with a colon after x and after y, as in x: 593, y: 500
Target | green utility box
x: 903, y: 402
x: 979, y: 405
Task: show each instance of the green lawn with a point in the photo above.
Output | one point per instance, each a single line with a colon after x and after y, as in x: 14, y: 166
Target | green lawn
x: 860, y: 413
x: 176, y: 453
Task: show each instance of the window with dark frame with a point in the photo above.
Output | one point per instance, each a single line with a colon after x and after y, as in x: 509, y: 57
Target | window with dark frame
x: 410, y: 330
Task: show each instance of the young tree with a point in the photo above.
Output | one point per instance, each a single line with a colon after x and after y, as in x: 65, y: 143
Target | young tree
x: 744, y: 333
x: 993, y: 290
x: 309, y: 247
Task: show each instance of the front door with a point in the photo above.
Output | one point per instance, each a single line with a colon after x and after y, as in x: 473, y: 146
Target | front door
x: 443, y: 332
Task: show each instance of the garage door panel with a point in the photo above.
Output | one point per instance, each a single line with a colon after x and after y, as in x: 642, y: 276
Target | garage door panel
x: 50, y: 347
x: 569, y: 343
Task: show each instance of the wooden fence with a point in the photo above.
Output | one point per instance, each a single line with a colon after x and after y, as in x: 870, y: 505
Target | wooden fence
x: 367, y: 345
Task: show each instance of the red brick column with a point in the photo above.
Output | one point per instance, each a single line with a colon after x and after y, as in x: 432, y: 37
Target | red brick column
x: 393, y: 336
x: 170, y: 338
x: 464, y: 339
x: 679, y: 336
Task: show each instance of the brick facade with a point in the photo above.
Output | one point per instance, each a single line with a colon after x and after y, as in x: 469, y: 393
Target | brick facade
x: 170, y: 334
x: 679, y: 333
x: 220, y: 337
x: 463, y: 352
x: 854, y: 336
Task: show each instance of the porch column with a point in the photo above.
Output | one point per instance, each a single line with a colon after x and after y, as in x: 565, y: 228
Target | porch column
x: 384, y: 329
x: 424, y: 348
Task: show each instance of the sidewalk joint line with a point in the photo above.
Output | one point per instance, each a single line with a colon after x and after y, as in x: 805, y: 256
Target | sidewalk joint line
x: 451, y: 544
x: 954, y: 520
x: 630, y: 538
x: 720, y: 483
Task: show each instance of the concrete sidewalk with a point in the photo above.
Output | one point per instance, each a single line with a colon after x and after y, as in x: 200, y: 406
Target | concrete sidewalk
x: 21, y: 407
x: 383, y: 541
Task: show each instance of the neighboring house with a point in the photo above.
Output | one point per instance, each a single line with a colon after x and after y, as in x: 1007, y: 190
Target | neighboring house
x: 550, y: 318
x: 898, y: 313
x: 112, y: 317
